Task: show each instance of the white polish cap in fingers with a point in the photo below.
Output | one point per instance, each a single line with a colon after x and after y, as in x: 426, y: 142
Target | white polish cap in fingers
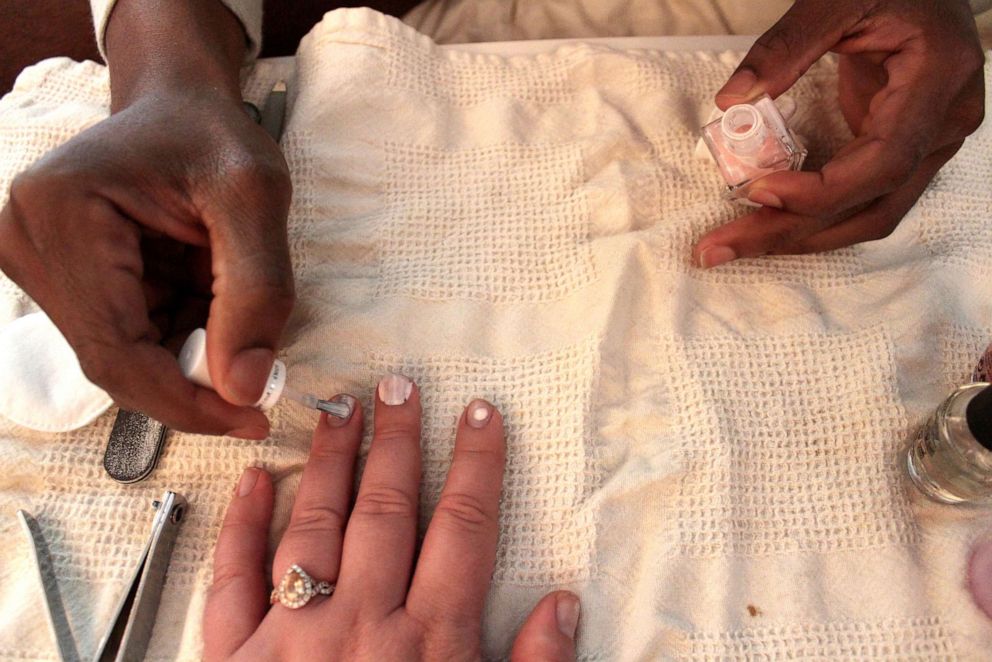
x: 193, y: 363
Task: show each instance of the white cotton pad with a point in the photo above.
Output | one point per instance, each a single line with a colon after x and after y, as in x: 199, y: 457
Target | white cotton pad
x: 42, y: 386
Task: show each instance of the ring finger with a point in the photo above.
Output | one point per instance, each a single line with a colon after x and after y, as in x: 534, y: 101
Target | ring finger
x: 316, y: 526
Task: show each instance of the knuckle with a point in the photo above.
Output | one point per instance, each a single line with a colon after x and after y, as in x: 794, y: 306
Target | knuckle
x: 491, y: 459
x: 251, y: 171
x: 972, y: 116
x: 318, y: 519
x: 228, y: 573
x: 972, y: 58
x: 780, y: 240
x: 275, y: 284
x: 24, y: 189
x: 900, y: 162
x: 97, y: 364
x: 446, y: 641
x: 464, y: 511
x: 395, y: 432
x: 385, y: 501
x: 776, y: 41
x: 780, y: 45
x: 331, y: 450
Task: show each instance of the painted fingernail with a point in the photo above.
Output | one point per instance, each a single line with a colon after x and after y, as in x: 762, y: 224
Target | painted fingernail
x: 345, y: 399
x: 714, y: 256
x: 247, y: 374
x: 567, y: 614
x: 247, y: 482
x: 478, y: 414
x: 395, y: 389
x: 740, y: 84
x: 765, y: 198
x: 980, y: 576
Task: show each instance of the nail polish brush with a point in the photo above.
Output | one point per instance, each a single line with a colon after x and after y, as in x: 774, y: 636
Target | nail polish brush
x: 193, y: 363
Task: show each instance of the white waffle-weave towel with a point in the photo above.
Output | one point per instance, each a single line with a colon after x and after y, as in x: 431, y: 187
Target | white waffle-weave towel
x: 711, y: 459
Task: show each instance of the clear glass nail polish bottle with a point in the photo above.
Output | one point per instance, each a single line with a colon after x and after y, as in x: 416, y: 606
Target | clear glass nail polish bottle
x: 983, y: 371
x: 950, y: 458
x: 193, y: 363
x: 749, y: 141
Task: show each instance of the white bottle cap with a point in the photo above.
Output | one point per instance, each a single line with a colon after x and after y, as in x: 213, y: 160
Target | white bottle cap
x: 193, y: 363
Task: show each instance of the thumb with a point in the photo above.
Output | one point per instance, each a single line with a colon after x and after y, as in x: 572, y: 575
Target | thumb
x: 980, y: 575
x: 548, y: 635
x: 782, y: 54
x: 252, y: 288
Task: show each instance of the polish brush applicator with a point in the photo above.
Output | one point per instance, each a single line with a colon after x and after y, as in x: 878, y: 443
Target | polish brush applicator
x: 193, y: 363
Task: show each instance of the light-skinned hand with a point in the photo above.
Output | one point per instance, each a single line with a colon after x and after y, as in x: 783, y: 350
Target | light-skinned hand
x: 911, y: 88
x: 385, y: 606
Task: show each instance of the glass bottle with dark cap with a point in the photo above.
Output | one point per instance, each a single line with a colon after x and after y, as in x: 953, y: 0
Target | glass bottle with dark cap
x: 950, y: 459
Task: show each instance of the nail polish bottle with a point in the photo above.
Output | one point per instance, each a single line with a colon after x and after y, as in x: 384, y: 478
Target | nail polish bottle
x: 749, y: 141
x: 193, y: 363
x: 950, y: 458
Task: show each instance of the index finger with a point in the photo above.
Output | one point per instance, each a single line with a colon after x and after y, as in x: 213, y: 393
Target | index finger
x: 456, y: 560
x: 102, y: 312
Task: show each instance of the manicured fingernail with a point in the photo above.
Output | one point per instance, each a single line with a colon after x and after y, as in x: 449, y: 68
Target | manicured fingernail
x: 345, y: 399
x: 740, y: 84
x: 395, y: 389
x: 478, y: 414
x: 247, y: 482
x: 567, y: 614
x: 714, y: 256
x: 247, y: 374
x: 980, y: 576
x: 765, y: 198
x: 250, y: 432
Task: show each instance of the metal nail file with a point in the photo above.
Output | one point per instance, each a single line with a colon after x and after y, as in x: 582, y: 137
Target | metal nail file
x: 130, y: 630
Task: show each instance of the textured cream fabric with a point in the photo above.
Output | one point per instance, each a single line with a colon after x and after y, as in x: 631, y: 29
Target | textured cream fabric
x: 711, y: 459
x: 459, y: 21
x: 249, y: 12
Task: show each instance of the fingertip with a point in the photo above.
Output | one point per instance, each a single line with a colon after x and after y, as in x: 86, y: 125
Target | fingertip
x: 714, y: 256
x: 247, y: 375
x: 741, y: 87
x: 479, y: 414
x: 252, y: 478
x: 549, y: 632
x: 980, y: 576
x: 354, y: 412
x: 567, y: 609
x: 765, y: 198
x: 395, y: 389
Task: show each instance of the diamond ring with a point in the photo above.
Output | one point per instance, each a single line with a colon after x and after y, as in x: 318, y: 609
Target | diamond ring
x: 297, y: 587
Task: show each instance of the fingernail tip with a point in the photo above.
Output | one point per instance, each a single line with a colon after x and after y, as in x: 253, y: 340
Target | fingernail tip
x: 714, y: 256
x: 395, y: 388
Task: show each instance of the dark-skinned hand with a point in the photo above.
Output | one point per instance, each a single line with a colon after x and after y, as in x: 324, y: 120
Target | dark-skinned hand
x: 911, y: 88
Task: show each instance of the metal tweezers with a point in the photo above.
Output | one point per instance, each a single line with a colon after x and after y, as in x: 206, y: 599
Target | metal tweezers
x: 127, y: 637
